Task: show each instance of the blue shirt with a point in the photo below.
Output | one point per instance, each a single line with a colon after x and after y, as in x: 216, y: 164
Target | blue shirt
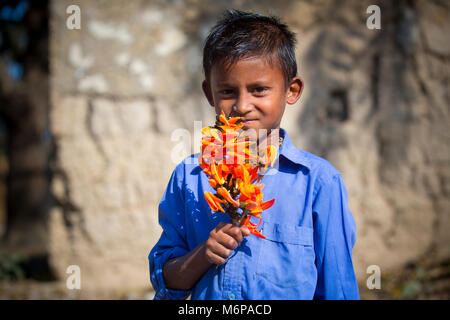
x: 310, y: 233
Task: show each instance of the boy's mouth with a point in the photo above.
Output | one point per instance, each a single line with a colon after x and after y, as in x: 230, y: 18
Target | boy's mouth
x: 248, y: 122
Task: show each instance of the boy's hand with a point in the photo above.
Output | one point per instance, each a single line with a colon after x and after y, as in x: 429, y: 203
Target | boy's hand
x: 223, y: 240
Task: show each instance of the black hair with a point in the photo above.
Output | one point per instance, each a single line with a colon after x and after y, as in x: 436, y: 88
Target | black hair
x: 242, y: 34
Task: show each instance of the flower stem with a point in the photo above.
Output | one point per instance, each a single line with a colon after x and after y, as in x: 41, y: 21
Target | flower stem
x: 243, y: 216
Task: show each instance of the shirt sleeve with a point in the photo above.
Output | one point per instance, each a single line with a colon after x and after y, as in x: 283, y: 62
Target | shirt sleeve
x: 172, y: 242
x: 334, y: 238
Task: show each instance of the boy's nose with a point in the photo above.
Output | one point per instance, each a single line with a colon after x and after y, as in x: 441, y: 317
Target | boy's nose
x: 242, y: 105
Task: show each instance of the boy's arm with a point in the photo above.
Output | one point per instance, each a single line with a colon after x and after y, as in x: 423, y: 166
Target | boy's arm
x: 172, y: 243
x: 334, y: 238
x: 182, y: 273
x: 174, y: 268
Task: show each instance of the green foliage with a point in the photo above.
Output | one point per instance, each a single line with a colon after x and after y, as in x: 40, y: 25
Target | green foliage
x: 10, y: 267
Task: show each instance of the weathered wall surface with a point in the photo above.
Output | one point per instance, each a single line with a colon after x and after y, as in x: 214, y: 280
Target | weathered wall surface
x: 378, y: 108
x: 120, y: 86
x: 375, y: 105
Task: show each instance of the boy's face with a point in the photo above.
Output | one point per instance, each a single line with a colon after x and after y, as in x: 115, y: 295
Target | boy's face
x: 252, y: 89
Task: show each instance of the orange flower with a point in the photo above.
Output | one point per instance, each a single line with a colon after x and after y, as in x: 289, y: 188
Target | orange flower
x: 217, y: 174
x: 229, y: 123
x: 252, y: 227
x: 267, y: 204
x: 224, y: 193
x: 269, y: 156
x: 225, y: 158
x: 213, y: 201
x: 212, y: 182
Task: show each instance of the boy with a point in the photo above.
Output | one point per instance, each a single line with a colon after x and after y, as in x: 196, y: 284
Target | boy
x: 250, y: 71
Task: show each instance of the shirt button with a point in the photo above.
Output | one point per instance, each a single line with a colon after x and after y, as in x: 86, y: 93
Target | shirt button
x: 231, y: 296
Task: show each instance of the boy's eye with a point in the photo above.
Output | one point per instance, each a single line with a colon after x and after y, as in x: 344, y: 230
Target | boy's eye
x: 226, y: 91
x: 257, y: 90
x: 260, y: 89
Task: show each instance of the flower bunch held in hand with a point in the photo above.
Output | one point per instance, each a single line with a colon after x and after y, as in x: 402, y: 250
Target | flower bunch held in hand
x: 234, y: 168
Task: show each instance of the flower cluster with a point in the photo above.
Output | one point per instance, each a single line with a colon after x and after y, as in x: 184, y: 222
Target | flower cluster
x: 234, y: 168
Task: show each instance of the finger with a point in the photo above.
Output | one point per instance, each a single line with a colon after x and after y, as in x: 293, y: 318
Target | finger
x: 216, y: 231
x: 219, y: 249
x: 245, y: 231
x: 220, y: 226
x: 228, y: 241
x: 235, y: 232
x: 214, y: 258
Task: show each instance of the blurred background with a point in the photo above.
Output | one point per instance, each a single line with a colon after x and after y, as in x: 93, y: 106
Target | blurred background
x: 90, y: 96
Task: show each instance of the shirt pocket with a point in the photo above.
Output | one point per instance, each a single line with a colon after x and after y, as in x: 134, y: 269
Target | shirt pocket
x: 286, y: 256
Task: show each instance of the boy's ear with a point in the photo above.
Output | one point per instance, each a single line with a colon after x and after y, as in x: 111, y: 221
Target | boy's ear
x: 207, y: 91
x: 295, y: 90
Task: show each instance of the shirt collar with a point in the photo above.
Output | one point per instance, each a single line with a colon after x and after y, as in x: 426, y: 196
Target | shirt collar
x: 289, y: 151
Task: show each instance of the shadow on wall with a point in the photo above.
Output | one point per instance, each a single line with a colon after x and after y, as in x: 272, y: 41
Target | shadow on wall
x: 25, y: 137
x: 377, y: 110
